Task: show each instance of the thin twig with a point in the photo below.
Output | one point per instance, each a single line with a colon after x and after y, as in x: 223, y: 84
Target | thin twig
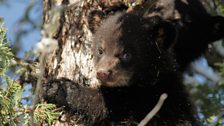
x: 38, y: 91
x: 154, y: 111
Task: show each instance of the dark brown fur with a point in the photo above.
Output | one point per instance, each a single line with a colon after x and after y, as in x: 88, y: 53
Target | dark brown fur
x: 134, y: 85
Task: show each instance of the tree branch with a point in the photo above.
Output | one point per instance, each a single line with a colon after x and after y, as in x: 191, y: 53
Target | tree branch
x: 154, y: 111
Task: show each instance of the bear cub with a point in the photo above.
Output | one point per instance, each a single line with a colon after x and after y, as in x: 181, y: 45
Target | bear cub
x: 135, y: 64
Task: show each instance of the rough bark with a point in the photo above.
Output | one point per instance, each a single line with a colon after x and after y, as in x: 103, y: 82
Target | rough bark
x: 73, y: 59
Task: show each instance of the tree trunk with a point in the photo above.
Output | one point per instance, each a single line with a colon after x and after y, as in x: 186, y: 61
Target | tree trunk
x: 73, y: 59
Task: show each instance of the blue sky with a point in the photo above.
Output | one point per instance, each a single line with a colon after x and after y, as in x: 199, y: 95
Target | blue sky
x: 12, y: 12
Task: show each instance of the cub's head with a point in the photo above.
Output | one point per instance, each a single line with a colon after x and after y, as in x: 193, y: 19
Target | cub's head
x: 127, y: 45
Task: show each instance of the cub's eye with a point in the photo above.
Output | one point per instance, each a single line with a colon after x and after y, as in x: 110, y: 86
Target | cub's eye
x: 125, y: 57
x: 100, y: 51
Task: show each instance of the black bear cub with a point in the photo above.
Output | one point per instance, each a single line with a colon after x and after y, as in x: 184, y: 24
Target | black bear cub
x: 135, y: 64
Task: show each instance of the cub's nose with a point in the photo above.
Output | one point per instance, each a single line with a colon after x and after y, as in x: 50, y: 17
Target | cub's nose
x: 103, y: 74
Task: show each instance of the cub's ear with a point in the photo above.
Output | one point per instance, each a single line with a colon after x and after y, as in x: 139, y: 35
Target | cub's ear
x: 165, y: 35
x: 94, y: 19
x: 163, y: 32
x: 216, y: 28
